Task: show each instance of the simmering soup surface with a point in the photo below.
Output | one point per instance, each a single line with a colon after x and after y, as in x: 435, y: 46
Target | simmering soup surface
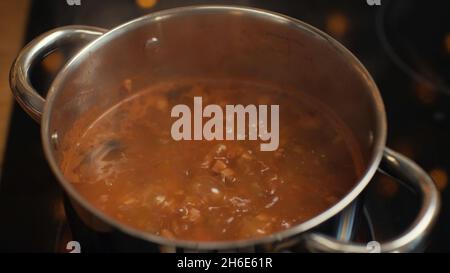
x: 128, y: 166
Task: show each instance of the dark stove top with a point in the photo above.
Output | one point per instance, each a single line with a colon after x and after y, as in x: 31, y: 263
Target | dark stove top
x: 404, y: 44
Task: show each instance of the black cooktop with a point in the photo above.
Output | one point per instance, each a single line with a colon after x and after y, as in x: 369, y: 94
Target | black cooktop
x: 404, y: 44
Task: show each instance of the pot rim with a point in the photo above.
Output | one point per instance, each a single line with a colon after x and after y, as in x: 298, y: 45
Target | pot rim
x: 378, y: 147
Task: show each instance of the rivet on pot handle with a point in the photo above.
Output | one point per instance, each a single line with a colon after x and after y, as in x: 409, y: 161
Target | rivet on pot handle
x: 405, y: 170
x: 28, y: 98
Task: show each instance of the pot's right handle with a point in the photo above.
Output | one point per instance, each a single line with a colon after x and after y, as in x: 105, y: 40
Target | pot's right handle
x: 28, y: 98
x: 405, y: 170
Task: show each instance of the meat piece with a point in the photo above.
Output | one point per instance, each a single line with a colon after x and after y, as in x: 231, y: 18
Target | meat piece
x: 193, y: 215
x: 167, y: 233
x: 127, y: 85
x: 228, y: 175
x: 162, y: 104
x: 219, y: 166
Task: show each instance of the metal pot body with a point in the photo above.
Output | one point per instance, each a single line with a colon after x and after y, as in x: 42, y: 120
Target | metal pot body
x: 217, y: 42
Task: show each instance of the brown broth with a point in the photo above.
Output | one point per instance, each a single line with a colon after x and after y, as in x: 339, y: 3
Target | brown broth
x: 127, y: 165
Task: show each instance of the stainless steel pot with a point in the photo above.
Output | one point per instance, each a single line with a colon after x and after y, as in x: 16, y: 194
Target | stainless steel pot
x: 217, y: 41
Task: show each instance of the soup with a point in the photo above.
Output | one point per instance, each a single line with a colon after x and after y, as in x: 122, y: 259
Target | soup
x: 127, y: 164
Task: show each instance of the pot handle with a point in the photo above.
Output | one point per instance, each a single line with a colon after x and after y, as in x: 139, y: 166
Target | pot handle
x: 408, y: 172
x: 27, y: 97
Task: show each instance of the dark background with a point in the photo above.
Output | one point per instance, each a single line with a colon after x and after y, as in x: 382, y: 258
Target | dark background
x: 402, y: 43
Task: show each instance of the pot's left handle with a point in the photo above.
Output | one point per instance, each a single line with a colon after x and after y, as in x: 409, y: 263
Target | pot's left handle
x: 28, y: 98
